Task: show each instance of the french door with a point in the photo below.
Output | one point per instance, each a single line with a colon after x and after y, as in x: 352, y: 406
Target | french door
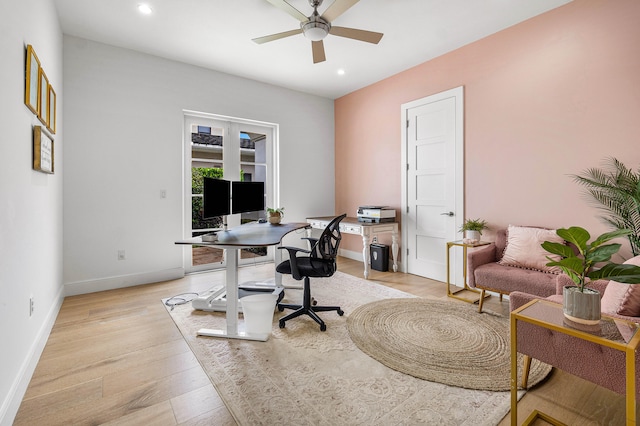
x: 234, y: 150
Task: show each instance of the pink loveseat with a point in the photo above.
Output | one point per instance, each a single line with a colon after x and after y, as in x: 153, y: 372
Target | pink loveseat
x: 485, y: 273
x: 601, y: 365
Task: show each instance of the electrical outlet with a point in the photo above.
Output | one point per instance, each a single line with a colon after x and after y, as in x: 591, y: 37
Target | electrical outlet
x: 121, y: 255
x: 163, y: 193
x: 31, y: 305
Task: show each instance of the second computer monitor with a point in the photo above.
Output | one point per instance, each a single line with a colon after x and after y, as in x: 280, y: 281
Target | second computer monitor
x: 247, y: 197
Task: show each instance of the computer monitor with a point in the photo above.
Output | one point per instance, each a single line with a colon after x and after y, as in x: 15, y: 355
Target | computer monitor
x: 247, y: 197
x: 216, y: 198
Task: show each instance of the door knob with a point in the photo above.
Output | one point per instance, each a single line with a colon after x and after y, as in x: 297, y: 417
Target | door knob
x: 446, y: 214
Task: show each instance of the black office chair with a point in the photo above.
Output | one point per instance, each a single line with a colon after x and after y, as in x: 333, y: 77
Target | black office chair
x: 320, y: 262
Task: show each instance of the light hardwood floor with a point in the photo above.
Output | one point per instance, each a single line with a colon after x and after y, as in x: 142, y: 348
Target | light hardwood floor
x: 117, y: 358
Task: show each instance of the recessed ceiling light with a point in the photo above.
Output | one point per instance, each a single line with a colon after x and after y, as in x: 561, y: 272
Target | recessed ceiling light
x: 341, y: 71
x: 145, y: 9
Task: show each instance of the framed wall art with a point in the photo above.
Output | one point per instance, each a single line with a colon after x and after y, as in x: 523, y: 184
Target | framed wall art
x: 52, y: 111
x: 32, y: 81
x: 43, y: 101
x: 42, y: 151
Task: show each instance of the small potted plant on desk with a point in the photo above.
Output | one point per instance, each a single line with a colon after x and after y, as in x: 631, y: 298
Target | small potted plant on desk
x: 591, y: 262
x: 472, y: 229
x: 274, y: 215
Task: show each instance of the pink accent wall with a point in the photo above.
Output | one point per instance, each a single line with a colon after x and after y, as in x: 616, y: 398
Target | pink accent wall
x: 544, y: 99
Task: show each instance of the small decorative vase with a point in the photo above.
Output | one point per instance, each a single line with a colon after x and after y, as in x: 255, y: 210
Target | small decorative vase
x: 471, y: 237
x: 582, y: 307
x: 275, y: 218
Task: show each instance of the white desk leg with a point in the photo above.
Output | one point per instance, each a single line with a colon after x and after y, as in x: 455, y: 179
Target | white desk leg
x: 365, y: 255
x: 277, y: 259
x: 394, y: 250
x: 231, y: 282
x: 232, y: 291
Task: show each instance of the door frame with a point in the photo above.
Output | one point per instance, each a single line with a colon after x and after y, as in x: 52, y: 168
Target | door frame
x: 272, y: 185
x: 458, y: 94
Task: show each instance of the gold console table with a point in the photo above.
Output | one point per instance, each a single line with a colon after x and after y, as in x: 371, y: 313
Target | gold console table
x: 465, y: 246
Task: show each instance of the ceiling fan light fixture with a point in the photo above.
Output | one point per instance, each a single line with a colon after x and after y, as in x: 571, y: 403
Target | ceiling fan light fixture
x: 145, y: 9
x: 316, y: 28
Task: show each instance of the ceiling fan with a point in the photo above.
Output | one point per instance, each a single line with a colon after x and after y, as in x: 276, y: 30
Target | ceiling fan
x: 316, y: 27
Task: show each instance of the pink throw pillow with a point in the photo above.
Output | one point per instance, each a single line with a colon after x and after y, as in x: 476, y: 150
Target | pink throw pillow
x: 524, y: 248
x: 622, y: 299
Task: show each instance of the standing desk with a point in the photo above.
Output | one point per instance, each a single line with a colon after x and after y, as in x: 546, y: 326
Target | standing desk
x: 235, y: 239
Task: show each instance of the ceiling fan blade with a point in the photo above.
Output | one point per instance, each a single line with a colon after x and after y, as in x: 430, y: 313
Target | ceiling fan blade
x: 277, y: 36
x: 318, y: 51
x: 337, y: 8
x: 362, y: 35
x: 283, y: 5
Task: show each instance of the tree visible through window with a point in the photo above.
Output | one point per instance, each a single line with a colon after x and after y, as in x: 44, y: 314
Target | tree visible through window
x: 198, y: 223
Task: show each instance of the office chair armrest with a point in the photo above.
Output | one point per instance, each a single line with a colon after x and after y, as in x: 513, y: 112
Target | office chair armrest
x: 293, y: 260
x: 293, y: 250
x: 313, y: 243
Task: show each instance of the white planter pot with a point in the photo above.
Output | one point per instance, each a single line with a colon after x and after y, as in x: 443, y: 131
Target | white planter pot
x: 472, y: 236
x: 581, y: 307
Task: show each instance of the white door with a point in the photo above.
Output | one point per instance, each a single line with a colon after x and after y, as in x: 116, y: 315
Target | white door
x: 433, y: 179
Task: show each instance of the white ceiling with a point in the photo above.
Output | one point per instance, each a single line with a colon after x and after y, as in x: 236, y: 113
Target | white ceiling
x: 217, y: 34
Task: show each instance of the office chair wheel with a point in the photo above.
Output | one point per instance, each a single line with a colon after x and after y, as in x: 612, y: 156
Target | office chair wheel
x: 280, y: 308
x: 340, y: 312
x: 323, y: 327
x: 281, y: 324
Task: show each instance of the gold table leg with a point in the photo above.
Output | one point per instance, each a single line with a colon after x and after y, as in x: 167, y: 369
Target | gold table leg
x: 465, y: 286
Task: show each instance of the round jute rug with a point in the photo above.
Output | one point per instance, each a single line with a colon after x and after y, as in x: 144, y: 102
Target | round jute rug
x: 438, y: 341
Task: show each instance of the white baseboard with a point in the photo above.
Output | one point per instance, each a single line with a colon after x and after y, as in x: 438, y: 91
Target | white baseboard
x: 353, y: 255
x: 13, y: 400
x: 122, y: 281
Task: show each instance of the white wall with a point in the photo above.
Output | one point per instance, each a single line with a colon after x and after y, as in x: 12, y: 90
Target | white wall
x: 30, y: 201
x: 122, y: 105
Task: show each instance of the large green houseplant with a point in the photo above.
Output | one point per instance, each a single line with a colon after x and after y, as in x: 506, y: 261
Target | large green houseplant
x: 615, y: 190
x: 592, y: 261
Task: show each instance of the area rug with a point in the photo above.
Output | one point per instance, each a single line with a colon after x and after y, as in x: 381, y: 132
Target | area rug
x: 440, y: 342
x: 303, y: 376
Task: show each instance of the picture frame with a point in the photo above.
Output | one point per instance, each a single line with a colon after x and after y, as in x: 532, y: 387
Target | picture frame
x: 51, y: 122
x: 43, y: 151
x: 43, y: 101
x: 32, y: 81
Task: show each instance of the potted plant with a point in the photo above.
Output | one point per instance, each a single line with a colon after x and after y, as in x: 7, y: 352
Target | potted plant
x: 592, y: 261
x: 274, y: 215
x: 615, y: 190
x: 472, y: 229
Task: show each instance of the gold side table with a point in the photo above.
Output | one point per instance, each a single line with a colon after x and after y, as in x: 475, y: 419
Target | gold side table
x: 549, y: 315
x: 465, y: 246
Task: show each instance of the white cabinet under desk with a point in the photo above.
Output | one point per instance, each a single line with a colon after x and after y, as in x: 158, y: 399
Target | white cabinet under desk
x: 350, y: 225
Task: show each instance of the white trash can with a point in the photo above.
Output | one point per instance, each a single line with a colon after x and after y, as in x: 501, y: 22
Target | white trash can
x: 258, y: 312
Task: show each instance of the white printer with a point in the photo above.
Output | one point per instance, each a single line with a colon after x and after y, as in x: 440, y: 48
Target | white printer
x: 376, y: 214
